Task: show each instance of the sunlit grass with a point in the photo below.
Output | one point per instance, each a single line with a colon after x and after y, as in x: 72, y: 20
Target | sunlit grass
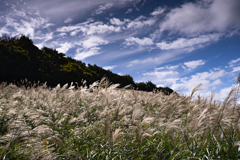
x: 103, y: 122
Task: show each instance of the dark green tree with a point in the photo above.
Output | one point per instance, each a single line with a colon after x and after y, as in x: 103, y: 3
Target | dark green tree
x: 20, y: 59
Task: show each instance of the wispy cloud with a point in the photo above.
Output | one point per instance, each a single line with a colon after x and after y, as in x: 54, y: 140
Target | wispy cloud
x: 188, y: 43
x: 48, y: 25
x: 64, y: 47
x: 223, y: 93
x: 68, y: 20
x: 102, y: 8
x: 81, y: 53
x: 17, y: 22
x: 61, y: 10
x: 160, y: 58
x: 170, y: 74
x: 173, y: 76
x: 93, y: 42
x: 135, y: 40
x: 118, y: 22
x: 192, y: 18
x: 158, y: 11
x: 89, y: 47
x: 26, y: 27
x: 162, y: 77
x: 4, y: 30
x: 234, y: 62
x: 88, y: 28
x: 109, y: 67
x: 129, y: 11
x: 208, y: 79
x: 194, y: 64
x: 140, y: 22
x: 168, y: 67
x: 236, y: 69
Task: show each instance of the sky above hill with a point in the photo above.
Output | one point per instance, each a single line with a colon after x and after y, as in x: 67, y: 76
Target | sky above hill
x: 174, y: 43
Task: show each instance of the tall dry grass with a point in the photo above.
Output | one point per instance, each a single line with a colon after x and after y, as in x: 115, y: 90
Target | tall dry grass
x: 104, y: 122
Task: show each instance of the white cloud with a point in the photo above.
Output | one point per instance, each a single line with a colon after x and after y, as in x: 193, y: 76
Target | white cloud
x: 109, y: 67
x: 116, y: 21
x: 168, y: 67
x: 160, y: 68
x: 99, y: 28
x: 63, y: 9
x: 158, y: 11
x: 203, y: 17
x: 223, y: 93
x: 62, y: 34
x: 93, y: 42
x: 84, y: 53
x: 90, y: 47
x: 102, y: 8
x: 163, y: 77
x: 19, y: 13
x: 68, y: 20
x: 216, y: 82
x: 21, y: 22
x: 142, y: 42
x: 236, y: 69
x: 161, y: 74
x: 186, y: 43
x: 68, y: 28
x: 162, y: 58
x: 210, y: 75
x: 208, y: 79
x: 194, y: 64
x: 24, y: 28
x: 45, y: 37
x: 134, y: 2
x: 4, y: 30
x: 233, y: 62
x: 40, y: 45
x: 48, y: 25
x: 74, y: 33
x: 48, y: 36
x: 89, y: 28
x: 141, y: 22
x: 129, y: 11
x: 172, y: 67
x: 59, y: 9
x: 64, y: 47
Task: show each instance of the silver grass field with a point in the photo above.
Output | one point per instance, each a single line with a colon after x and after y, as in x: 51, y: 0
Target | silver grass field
x: 105, y: 122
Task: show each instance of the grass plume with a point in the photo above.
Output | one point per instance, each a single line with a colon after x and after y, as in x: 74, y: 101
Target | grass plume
x: 104, y: 122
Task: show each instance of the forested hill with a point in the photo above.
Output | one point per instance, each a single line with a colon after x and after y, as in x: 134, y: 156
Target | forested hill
x: 20, y: 59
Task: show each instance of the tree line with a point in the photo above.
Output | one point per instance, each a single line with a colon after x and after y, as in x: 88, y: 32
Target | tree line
x: 20, y: 59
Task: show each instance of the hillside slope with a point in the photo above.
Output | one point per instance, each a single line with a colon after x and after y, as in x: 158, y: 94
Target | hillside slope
x: 21, y: 59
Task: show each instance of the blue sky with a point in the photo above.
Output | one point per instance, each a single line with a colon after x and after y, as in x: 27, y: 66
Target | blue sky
x: 174, y: 43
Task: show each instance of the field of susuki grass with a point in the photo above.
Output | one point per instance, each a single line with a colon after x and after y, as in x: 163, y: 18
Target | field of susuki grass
x: 104, y: 122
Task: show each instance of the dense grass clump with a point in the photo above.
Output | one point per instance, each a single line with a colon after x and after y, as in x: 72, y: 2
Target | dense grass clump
x: 104, y: 122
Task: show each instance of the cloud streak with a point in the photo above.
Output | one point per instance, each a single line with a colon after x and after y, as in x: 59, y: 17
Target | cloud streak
x: 194, y: 64
x: 188, y: 43
x: 109, y: 67
x: 102, y: 8
x: 192, y: 18
x: 89, y: 47
x: 135, y: 40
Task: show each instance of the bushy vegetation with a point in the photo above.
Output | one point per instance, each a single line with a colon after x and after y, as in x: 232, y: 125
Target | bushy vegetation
x: 20, y: 59
x: 104, y: 122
